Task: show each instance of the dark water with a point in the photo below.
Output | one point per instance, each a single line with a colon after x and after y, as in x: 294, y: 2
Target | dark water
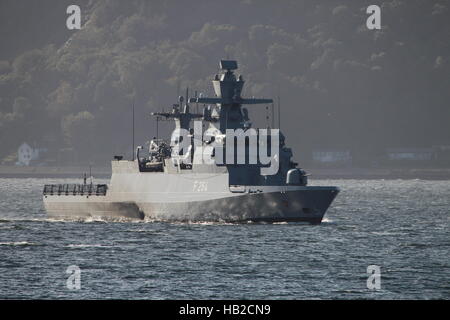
x: 401, y: 226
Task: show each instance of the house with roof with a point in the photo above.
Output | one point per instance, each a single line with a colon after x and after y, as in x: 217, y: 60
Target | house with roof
x: 26, y: 154
x: 332, y: 157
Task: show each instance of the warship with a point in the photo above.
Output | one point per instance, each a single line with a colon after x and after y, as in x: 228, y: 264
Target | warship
x: 172, y: 181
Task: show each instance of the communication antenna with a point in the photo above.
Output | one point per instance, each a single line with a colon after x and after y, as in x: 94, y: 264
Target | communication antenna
x: 187, y: 100
x: 196, y: 104
x: 90, y: 173
x: 132, y: 150
x: 157, y: 127
x: 273, y: 116
x: 279, y: 113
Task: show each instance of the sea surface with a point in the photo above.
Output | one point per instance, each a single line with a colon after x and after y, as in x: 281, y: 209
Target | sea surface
x: 401, y: 226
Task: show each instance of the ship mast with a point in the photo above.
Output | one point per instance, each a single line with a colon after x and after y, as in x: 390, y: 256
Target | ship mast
x: 228, y: 98
x: 182, y: 117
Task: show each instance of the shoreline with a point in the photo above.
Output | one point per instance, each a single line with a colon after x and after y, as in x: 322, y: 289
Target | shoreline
x: 378, y: 173
x: 53, y: 172
x: 315, y: 173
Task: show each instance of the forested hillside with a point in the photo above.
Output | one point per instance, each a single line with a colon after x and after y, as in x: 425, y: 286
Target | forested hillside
x: 340, y: 84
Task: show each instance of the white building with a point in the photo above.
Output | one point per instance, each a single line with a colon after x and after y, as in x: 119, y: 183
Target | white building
x: 25, y: 154
x: 410, y: 154
x: 332, y: 156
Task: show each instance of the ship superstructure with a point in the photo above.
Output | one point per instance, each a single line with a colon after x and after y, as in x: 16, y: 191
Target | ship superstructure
x: 215, y: 167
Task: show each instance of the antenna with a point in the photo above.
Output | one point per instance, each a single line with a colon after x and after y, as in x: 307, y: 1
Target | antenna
x: 279, y: 107
x: 196, y: 104
x: 157, y: 128
x: 273, y: 117
x: 90, y: 173
x: 132, y: 150
x: 187, y: 101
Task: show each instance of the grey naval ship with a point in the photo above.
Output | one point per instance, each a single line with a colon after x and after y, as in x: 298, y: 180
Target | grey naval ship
x: 166, y: 185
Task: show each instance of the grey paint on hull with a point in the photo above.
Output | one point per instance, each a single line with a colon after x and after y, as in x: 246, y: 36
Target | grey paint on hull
x: 78, y: 207
x: 308, y: 204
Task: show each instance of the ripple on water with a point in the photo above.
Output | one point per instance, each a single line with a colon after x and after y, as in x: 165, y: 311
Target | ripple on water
x: 402, y: 226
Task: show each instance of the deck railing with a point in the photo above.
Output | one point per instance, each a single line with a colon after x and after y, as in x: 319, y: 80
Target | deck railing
x: 75, y: 189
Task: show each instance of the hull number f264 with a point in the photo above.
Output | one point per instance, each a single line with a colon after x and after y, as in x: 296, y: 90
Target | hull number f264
x: 200, y: 186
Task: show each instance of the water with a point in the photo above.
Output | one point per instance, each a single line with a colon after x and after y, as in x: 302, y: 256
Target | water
x: 401, y: 226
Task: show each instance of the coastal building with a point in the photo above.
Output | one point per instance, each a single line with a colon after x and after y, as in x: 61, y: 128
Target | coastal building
x: 410, y: 154
x: 27, y: 154
x: 332, y: 157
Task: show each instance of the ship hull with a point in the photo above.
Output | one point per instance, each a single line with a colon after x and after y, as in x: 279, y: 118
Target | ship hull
x: 307, y: 204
